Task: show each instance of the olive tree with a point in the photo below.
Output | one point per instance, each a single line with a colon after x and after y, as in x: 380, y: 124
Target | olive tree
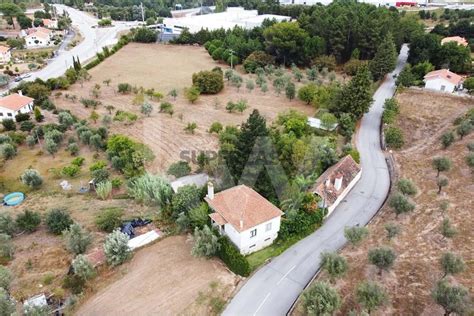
x: 116, y: 248
x: 451, y: 264
x: 400, y: 204
x: 447, y: 229
x: 321, y: 299
x: 334, y: 264
x: 77, y: 239
x: 206, y: 243
x: 355, y: 234
x: 441, y: 164
x: 7, y: 306
x: 392, y: 230
x: 370, y: 296
x: 452, y: 298
x: 83, y: 268
x: 382, y: 257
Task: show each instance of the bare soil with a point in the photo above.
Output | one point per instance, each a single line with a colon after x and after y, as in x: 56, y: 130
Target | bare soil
x: 424, y: 116
x: 162, y: 279
x: 164, y: 67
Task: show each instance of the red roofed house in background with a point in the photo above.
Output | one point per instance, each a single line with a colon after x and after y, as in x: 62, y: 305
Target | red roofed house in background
x: 443, y: 80
x: 13, y: 104
x: 247, y: 218
x: 458, y: 39
x: 50, y: 24
x: 336, y: 182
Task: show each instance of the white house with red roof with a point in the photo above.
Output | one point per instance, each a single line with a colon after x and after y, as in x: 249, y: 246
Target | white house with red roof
x: 456, y: 39
x: 5, y: 54
x: 249, y: 220
x: 443, y: 80
x: 14, y: 104
x: 336, y: 182
x: 38, y: 37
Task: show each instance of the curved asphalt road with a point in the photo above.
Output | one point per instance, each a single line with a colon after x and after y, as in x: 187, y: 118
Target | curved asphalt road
x: 274, y: 288
x: 93, y: 41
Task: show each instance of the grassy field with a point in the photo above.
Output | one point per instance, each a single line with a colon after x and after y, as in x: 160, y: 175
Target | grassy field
x: 424, y: 116
x: 171, y: 68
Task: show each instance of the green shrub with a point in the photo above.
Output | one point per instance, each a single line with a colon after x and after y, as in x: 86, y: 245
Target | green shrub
x: 78, y: 161
x: 27, y: 126
x: 232, y: 257
x: 124, y: 88
x: 6, y: 247
x: 208, y: 82
x: 74, y: 283
x: 28, y: 221
x: 116, y: 248
x: 206, y: 243
x: 7, y: 224
x: 116, y: 183
x: 83, y: 268
x: 100, y: 164
x: 257, y: 59
x: 179, y: 169
x: 407, y: 187
x: 6, y: 277
x: 103, y: 189
x: 7, y: 151
x: 71, y: 171
x: 9, y: 124
x: 109, y: 219
x: 58, y: 220
x: 216, y: 127
x: 77, y: 239
x: 394, y: 137
x: 150, y: 189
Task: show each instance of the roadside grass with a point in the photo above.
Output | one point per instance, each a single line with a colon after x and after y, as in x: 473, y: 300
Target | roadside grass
x: 258, y: 258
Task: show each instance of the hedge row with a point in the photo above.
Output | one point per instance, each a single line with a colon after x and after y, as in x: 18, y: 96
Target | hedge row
x: 124, y: 40
x: 231, y: 256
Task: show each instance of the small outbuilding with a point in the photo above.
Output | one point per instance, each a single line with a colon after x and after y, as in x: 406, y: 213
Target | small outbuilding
x: 443, y: 80
x: 456, y: 39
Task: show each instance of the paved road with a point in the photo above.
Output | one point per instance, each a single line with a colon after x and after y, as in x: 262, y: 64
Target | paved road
x: 273, y: 289
x: 94, y: 40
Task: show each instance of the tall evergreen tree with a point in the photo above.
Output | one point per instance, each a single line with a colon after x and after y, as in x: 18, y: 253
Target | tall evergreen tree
x: 385, y: 58
x: 252, y: 154
x: 355, y: 98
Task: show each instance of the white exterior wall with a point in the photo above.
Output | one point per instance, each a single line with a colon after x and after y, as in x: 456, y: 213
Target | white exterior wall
x: 5, y: 57
x: 33, y: 41
x: 9, y: 114
x: 438, y: 83
x: 263, y: 238
x: 344, y: 193
x: 248, y: 244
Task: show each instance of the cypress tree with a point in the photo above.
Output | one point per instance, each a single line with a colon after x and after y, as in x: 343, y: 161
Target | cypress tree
x: 385, y: 58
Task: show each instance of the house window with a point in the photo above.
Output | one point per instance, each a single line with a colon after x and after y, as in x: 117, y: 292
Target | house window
x: 1, y: 114
x: 253, y: 233
x: 443, y: 88
x: 253, y: 246
x: 268, y: 227
x: 267, y: 239
x: 9, y: 114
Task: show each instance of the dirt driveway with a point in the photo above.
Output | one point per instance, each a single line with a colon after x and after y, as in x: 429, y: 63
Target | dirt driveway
x: 163, y: 279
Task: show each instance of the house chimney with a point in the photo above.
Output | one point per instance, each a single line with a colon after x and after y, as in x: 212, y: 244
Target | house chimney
x: 20, y: 92
x: 338, y: 182
x: 210, y: 190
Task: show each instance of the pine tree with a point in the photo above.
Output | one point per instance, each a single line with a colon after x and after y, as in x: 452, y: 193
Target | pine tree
x: 355, y: 98
x: 385, y: 58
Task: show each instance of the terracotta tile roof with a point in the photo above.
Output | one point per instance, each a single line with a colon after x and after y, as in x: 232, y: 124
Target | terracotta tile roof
x: 41, y: 29
x: 48, y: 22
x: 325, y: 187
x: 444, y: 74
x: 4, y: 49
x: 15, y: 101
x: 242, y: 207
x: 216, y: 217
x: 458, y: 39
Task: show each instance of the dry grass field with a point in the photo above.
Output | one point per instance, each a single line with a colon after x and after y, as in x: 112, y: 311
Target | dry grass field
x: 164, y: 279
x: 165, y: 67
x: 424, y: 117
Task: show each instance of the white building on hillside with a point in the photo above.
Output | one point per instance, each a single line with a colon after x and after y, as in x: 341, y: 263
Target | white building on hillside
x: 5, y: 54
x: 247, y: 218
x: 14, y: 104
x: 50, y: 24
x: 229, y: 19
x: 443, y: 80
x: 38, y: 37
x: 336, y: 182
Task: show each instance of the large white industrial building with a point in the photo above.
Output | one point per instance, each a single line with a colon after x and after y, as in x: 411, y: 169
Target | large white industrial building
x: 229, y: 19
